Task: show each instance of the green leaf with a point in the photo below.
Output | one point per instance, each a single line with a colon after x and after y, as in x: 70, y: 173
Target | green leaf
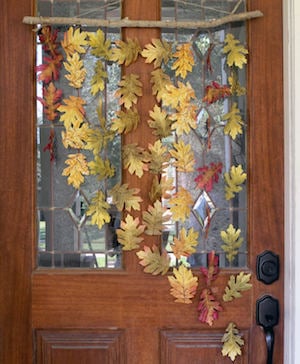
x: 236, y: 285
x: 124, y: 197
x: 233, y: 180
x: 153, y: 261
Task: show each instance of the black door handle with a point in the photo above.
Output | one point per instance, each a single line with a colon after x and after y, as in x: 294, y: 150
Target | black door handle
x: 267, y: 316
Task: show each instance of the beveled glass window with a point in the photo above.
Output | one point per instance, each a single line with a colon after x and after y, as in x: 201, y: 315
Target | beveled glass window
x: 66, y: 236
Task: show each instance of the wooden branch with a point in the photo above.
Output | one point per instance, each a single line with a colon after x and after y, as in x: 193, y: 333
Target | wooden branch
x: 126, y: 23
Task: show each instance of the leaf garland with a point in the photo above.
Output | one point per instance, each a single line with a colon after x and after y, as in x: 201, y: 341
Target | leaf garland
x: 176, y: 111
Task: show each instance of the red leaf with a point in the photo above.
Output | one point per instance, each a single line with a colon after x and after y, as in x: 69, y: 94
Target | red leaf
x: 48, y: 38
x: 208, y: 175
x: 50, y: 145
x: 208, y: 307
x: 49, y: 70
x: 215, y: 92
x: 50, y: 100
x: 211, y: 272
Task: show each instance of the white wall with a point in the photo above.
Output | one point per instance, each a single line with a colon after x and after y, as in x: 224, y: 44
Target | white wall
x: 291, y: 9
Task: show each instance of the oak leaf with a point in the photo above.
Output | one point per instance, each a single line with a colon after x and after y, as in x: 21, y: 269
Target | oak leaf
x: 135, y: 159
x: 49, y: 70
x: 50, y: 101
x: 158, y: 157
x: 181, y: 204
x: 215, y: 92
x: 236, y: 285
x: 234, y: 179
x: 235, y: 51
x: 99, y: 210
x: 161, y: 189
x: 184, y: 284
x: 159, y: 51
x: 72, y: 112
x: 97, y: 139
x: 175, y: 97
x: 100, y: 46
x: 232, y: 242
x: 234, y: 123
x: 160, y: 122
x: 235, y: 86
x: 184, y: 119
x: 75, y: 137
x: 77, y: 72
x: 208, y: 307
x: 76, y: 170
x: 124, y: 197
x: 212, y: 271
x: 48, y: 38
x: 74, y: 41
x: 126, y: 52
x: 102, y: 168
x: 130, y: 87
x: 184, y: 157
x: 208, y: 175
x: 232, y: 342
x: 129, y: 234
x: 185, y: 244
x: 154, y: 261
x: 159, y: 80
x: 155, y: 218
x: 125, y: 121
x: 185, y: 60
x: 98, y: 79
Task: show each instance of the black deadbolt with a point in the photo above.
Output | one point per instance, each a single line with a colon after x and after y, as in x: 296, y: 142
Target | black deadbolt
x: 267, y: 267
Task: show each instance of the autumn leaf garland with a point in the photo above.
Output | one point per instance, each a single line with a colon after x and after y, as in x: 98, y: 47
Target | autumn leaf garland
x: 176, y: 111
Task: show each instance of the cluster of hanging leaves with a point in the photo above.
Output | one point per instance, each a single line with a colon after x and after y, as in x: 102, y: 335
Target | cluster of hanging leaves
x: 175, y: 111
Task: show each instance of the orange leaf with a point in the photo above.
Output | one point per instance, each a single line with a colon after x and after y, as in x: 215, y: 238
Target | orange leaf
x: 208, y: 307
x: 184, y: 284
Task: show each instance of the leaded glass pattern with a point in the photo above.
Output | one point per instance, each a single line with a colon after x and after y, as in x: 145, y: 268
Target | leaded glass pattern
x: 211, y: 213
x: 66, y: 237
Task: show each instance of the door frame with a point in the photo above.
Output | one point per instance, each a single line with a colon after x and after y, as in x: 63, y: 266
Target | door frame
x: 291, y: 46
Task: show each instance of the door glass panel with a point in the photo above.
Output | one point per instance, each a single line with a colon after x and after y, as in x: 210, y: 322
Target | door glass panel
x: 66, y: 236
x: 214, y: 151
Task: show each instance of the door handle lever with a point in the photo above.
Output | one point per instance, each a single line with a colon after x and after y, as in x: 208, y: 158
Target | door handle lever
x: 267, y: 316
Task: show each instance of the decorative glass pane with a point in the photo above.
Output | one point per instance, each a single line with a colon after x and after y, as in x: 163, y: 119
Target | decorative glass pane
x: 67, y: 238
x: 216, y: 149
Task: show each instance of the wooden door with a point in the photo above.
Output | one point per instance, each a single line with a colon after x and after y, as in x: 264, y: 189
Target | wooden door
x: 67, y: 316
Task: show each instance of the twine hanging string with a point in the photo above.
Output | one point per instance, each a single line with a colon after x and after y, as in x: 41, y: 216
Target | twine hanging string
x: 127, y: 23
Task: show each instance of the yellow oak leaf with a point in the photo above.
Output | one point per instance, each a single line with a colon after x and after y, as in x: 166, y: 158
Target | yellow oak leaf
x: 235, y: 86
x: 98, y: 79
x: 76, y: 170
x: 72, y: 112
x: 184, y: 119
x: 75, y: 137
x: 126, y: 52
x: 184, y: 157
x: 161, y: 189
x: 185, y: 60
x: 74, y: 41
x: 129, y: 234
x: 236, y: 285
x: 234, y: 178
x: 99, y: 210
x: 96, y: 139
x: 154, y: 261
x: 159, y: 51
x: 235, y: 51
x: 77, y: 72
x: 160, y: 122
x: 186, y: 243
x: 100, y: 46
x: 159, y: 80
x: 176, y: 96
x: 232, y: 242
x: 102, y: 168
x: 126, y: 121
x: 154, y: 218
x: 130, y: 87
x: 234, y: 123
x: 181, y: 204
x: 232, y: 342
x: 124, y: 197
x: 135, y: 159
x: 184, y: 284
x: 158, y: 157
